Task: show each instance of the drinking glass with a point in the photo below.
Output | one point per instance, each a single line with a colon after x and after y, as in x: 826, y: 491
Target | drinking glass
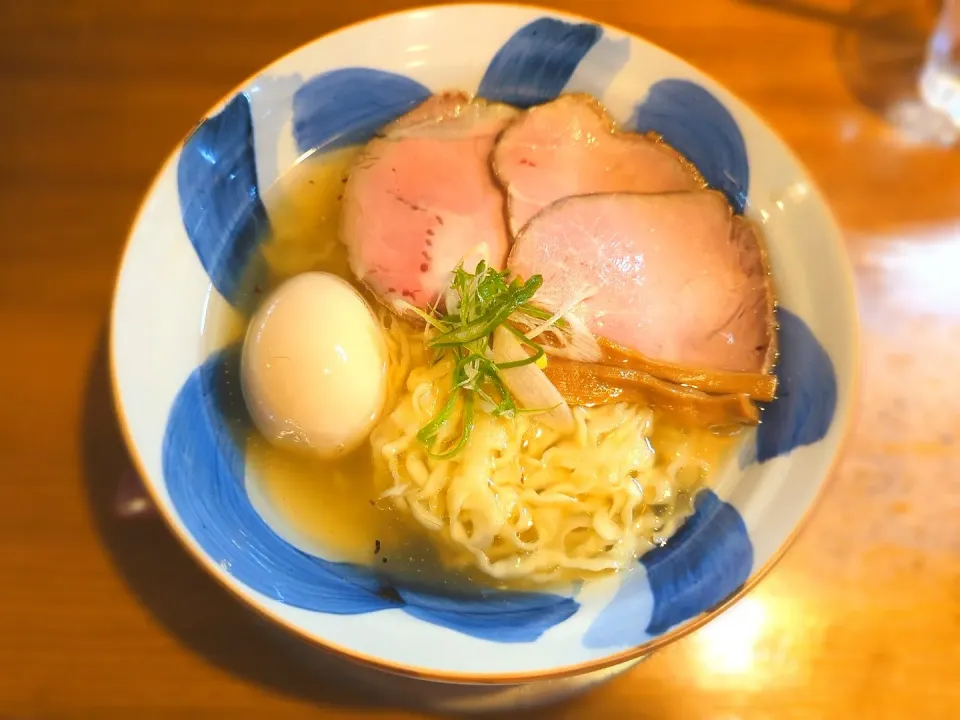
x: 940, y: 77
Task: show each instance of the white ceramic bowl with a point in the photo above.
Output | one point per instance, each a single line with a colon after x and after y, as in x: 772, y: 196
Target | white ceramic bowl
x: 199, y: 227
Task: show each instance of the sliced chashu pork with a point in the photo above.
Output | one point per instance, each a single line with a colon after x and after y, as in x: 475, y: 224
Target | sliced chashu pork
x: 570, y: 146
x: 421, y: 198
x: 676, y: 277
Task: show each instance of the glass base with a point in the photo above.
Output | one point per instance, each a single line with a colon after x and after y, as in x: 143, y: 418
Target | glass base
x: 940, y: 89
x: 918, y: 122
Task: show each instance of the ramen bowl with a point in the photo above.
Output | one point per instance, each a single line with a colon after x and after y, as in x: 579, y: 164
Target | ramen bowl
x: 198, y: 231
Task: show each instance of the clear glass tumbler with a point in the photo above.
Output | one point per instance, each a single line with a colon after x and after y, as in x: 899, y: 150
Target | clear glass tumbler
x: 940, y: 78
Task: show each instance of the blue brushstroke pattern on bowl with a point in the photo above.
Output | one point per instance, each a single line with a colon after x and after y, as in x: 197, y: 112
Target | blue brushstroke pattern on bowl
x: 203, y: 461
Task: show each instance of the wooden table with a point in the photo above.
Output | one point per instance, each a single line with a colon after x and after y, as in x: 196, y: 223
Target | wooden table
x: 106, y: 618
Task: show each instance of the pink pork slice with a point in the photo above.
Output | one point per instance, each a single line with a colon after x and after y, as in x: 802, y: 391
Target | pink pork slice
x: 675, y: 276
x: 570, y: 146
x: 422, y: 197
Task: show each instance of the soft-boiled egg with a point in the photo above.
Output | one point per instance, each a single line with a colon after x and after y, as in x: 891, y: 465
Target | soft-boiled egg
x: 314, y: 367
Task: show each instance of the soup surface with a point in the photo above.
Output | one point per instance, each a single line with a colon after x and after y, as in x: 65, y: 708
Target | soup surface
x: 522, y: 502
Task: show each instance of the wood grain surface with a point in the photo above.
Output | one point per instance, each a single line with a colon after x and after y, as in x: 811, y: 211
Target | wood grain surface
x: 108, y: 618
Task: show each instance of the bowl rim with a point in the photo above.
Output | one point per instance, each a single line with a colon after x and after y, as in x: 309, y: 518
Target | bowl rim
x: 848, y: 421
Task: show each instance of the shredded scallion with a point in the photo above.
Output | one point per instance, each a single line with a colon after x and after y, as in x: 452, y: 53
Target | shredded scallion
x: 481, y: 302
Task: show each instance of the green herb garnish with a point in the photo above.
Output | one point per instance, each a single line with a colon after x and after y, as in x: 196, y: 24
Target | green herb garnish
x: 478, y: 304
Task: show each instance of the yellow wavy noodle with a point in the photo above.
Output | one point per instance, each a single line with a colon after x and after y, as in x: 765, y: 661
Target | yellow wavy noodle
x: 523, y: 501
